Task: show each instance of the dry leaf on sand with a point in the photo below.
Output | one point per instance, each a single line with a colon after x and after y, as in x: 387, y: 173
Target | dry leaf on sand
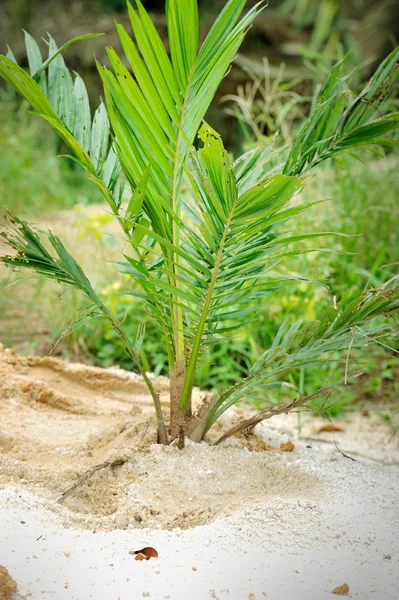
x: 145, y: 553
x: 341, y: 590
x: 331, y: 427
x: 288, y: 447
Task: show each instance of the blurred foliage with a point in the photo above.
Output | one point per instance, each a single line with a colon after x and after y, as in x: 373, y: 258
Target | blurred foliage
x: 27, y: 184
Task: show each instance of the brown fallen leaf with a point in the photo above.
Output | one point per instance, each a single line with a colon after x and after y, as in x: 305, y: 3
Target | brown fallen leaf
x: 288, y: 447
x: 331, y: 427
x: 145, y: 553
x: 341, y: 590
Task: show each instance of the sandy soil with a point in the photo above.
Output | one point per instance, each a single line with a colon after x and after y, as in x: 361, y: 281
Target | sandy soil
x: 60, y: 421
x: 240, y: 520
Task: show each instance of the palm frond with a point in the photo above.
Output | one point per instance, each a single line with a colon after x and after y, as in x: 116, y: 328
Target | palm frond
x: 30, y: 253
x: 63, y: 102
x: 304, y: 344
x: 340, y: 122
x: 157, y: 110
x: 206, y: 236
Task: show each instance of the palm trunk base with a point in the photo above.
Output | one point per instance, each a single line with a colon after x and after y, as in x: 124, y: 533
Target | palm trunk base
x: 178, y: 417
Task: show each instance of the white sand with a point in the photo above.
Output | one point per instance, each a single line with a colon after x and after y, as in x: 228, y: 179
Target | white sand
x: 281, y: 549
x: 282, y: 526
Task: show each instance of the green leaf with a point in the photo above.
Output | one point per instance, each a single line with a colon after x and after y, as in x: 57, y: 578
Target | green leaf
x: 68, y: 138
x: 266, y: 197
x: 339, y: 123
x: 35, y: 60
x: 147, y: 88
x: 182, y: 22
x: 25, y: 86
x: 304, y: 343
x: 58, y: 51
x: 157, y: 62
x: 369, y: 133
x: 136, y: 201
x: 60, y: 90
x: 10, y: 55
x: 82, y: 126
x: 31, y: 254
x: 221, y: 183
x: 99, y: 139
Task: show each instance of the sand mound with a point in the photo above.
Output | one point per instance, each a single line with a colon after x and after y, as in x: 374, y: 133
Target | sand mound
x: 7, y: 584
x: 61, y: 421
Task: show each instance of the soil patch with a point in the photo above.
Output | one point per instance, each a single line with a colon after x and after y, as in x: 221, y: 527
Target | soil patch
x: 7, y: 584
x: 61, y: 420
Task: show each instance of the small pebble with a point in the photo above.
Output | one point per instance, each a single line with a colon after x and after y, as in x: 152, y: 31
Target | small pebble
x: 288, y: 447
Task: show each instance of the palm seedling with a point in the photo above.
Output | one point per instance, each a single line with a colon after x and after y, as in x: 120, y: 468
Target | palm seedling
x: 205, y: 235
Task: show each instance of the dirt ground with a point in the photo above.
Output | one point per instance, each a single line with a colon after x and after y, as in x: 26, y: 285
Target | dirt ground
x: 7, y: 584
x: 60, y: 421
x: 244, y: 519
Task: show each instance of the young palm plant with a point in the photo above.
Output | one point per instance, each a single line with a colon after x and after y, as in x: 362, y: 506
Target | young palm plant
x: 205, y: 235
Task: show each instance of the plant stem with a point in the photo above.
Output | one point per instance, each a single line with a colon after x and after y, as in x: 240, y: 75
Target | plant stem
x: 192, y: 363
x: 177, y: 370
x: 178, y: 417
x: 162, y: 433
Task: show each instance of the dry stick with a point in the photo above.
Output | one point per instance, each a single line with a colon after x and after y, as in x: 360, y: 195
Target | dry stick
x: 359, y: 454
x: 329, y: 420
x: 88, y: 474
x: 271, y: 411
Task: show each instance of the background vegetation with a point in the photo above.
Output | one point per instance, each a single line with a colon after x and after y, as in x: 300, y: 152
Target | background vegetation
x: 260, y: 99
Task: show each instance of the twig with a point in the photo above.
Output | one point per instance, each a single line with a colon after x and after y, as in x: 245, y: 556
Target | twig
x: 340, y: 451
x: 88, y: 474
x: 334, y: 440
x: 271, y: 411
x: 358, y: 454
